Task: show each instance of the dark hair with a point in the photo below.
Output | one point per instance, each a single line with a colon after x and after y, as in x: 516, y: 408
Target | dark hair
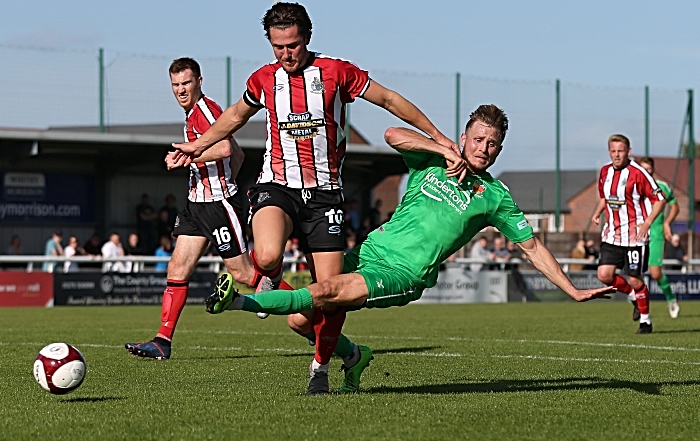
x: 182, y: 64
x: 490, y: 115
x: 648, y: 160
x: 283, y: 15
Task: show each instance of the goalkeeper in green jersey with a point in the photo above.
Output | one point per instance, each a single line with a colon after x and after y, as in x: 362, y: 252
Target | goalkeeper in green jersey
x: 450, y: 197
x: 661, y: 231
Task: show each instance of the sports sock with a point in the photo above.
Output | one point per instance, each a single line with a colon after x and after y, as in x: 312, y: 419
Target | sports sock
x: 621, y: 284
x: 345, y: 348
x: 316, y: 366
x: 643, y: 299
x: 275, y: 274
x: 644, y: 318
x: 174, y: 298
x: 278, y: 302
x: 665, y: 286
x: 327, y: 327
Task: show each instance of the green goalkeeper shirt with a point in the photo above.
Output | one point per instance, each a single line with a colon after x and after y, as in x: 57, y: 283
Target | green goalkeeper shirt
x: 656, y: 232
x: 437, y: 216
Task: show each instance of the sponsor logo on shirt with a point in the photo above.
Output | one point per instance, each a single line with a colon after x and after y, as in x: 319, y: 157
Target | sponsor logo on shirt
x: 446, y: 191
x: 614, y: 202
x: 301, y: 126
x: 522, y: 224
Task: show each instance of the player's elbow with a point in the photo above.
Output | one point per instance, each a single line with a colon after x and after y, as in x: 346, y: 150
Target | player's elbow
x: 392, y: 136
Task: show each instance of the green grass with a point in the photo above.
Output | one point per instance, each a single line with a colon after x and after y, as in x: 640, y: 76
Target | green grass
x: 516, y: 371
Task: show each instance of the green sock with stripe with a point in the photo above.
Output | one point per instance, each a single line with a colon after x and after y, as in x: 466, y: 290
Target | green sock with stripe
x: 665, y: 286
x: 279, y: 302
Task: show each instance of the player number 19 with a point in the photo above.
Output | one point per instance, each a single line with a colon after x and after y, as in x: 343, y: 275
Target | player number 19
x: 633, y: 256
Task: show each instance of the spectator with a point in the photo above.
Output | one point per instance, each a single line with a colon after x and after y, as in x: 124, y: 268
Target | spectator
x: 579, y: 252
x: 350, y: 241
x: 499, y: 253
x: 93, y: 247
x: 480, y: 251
x: 15, y: 246
x: 53, y: 248
x: 133, y: 246
x: 592, y: 254
x: 291, y: 252
x: 111, y: 249
x: 352, y: 215
x: 72, y: 249
x: 171, y: 209
x: 165, y: 228
x: 164, y: 250
x: 674, y: 250
x: 364, y: 230
x: 146, y: 224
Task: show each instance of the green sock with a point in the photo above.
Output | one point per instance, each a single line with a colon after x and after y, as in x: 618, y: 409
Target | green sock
x: 344, y: 347
x: 666, y: 288
x: 279, y: 302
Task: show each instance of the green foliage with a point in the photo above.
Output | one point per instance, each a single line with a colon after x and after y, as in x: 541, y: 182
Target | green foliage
x: 517, y: 371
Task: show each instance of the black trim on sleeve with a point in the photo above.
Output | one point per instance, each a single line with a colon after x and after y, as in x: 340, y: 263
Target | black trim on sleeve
x: 248, y: 98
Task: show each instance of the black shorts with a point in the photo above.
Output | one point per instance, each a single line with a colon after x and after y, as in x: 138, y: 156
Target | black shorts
x: 220, y: 221
x: 633, y: 261
x: 317, y: 215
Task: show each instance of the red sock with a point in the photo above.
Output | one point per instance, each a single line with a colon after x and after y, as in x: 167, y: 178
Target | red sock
x: 286, y: 286
x: 272, y: 274
x: 642, y: 295
x: 327, y: 328
x: 621, y: 284
x: 174, y: 298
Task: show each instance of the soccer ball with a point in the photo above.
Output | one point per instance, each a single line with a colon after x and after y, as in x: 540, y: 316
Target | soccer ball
x: 59, y: 368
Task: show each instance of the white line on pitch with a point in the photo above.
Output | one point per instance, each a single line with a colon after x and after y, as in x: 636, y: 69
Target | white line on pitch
x: 540, y: 357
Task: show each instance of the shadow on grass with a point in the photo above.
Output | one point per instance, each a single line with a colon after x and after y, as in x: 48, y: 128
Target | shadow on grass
x: 675, y: 331
x: 411, y: 350
x: 496, y: 386
x: 212, y: 356
x: 91, y: 399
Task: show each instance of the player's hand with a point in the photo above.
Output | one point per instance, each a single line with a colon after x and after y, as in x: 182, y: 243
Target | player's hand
x: 456, y: 165
x: 642, y: 232
x: 191, y: 148
x: 590, y: 294
x: 596, y: 219
x: 668, y: 234
x: 177, y: 159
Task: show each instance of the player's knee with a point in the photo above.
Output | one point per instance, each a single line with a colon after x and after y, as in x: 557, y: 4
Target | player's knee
x: 605, y: 279
x: 177, y: 271
x: 299, y: 324
x: 267, y: 258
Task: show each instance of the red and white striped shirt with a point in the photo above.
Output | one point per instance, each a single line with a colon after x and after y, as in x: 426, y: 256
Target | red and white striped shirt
x: 305, y: 143
x: 629, y: 194
x: 210, y: 180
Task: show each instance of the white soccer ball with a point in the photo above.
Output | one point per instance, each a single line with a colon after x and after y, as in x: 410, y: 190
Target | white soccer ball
x: 59, y: 368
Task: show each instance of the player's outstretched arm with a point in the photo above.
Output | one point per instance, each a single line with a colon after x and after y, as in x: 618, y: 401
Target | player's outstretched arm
x: 543, y: 260
x: 407, y: 111
x: 228, y: 123
x: 406, y: 140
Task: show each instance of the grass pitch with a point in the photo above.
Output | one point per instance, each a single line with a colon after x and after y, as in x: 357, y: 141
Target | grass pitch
x: 514, y: 371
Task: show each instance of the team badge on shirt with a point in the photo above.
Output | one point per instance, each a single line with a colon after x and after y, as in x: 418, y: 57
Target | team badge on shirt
x: 317, y: 86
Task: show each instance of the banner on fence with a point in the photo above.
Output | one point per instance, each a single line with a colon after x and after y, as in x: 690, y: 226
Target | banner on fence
x: 106, y: 289
x: 457, y: 285
x: 26, y: 289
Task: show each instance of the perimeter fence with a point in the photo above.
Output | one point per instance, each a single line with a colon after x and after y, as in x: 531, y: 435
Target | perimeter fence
x: 54, y: 87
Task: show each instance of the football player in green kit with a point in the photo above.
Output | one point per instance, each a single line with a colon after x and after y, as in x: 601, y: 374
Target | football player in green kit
x: 659, y: 232
x: 449, y: 199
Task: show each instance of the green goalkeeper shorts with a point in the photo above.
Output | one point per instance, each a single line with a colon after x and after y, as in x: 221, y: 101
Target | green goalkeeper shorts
x: 656, y: 252
x: 386, y: 284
